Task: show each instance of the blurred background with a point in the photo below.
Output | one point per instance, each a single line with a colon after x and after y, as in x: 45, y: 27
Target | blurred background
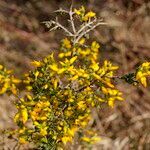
x: 125, y: 41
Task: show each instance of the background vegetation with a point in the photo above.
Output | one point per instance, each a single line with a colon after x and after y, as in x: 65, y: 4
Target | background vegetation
x: 124, y: 41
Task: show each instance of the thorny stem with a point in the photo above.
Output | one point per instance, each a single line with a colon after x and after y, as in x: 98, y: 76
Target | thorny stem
x: 61, y: 11
x: 82, y: 29
x: 57, y: 25
x: 86, y: 25
x: 62, y: 27
x: 72, y: 20
x: 76, y: 34
x: 87, y: 31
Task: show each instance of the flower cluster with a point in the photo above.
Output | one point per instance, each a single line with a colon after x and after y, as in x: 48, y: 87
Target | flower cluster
x: 84, y: 16
x: 7, y: 81
x: 142, y: 73
x: 61, y: 93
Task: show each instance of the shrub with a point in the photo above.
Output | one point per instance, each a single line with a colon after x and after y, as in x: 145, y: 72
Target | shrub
x: 62, y: 90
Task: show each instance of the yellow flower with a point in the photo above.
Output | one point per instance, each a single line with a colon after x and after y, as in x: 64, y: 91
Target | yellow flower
x: 3, y: 90
x: 81, y: 105
x: 89, y: 15
x: 1, y: 67
x: 139, y: 75
x: 29, y: 88
x: 143, y: 81
x: 112, y: 95
x: 113, y: 67
x: 36, y: 74
x: 66, y: 43
x: 86, y: 139
x: 55, y: 83
x: 22, y: 130
x: 17, y: 117
x: 24, y: 115
x: 29, y: 97
x: 111, y: 103
x: 108, y: 82
x: 82, y: 41
x: 104, y: 90
x: 66, y: 139
x: 22, y: 140
x: 96, y: 76
x: 74, y: 77
x: 73, y: 59
x: 80, y: 11
x: 72, y: 131
x: 77, y: 12
x: 60, y: 71
x: 61, y: 55
x: 36, y: 63
x: 95, y: 66
x: 68, y: 54
x: 95, y: 46
x: 143, y: 72
x: 43, y: 131
x: 54, y: 67
x: 14, y: 80
x: 83, y: 52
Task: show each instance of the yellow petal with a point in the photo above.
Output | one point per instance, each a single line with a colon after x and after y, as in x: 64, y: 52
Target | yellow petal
x: 1, y: 67
x: 61, y: 55
x: 24, y: 114
x: 73, y: 59
x: 14, y: 80
x: 22, y: 140
x: 16, y: 118
x: 111, y: 103
x: 82, y: 41
x: 54, y: 67
x: 55, y: 83
x: 36, y: 63
x: 143, y: 81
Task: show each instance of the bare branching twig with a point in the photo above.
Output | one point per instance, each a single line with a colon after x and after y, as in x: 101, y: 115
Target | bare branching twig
x: 76, y: 32
x: 88, y: 28
x: 53, y: 25
x: 71, y: 13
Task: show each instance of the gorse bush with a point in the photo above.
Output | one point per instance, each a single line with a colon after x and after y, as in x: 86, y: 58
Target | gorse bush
x: 63, y: 89
x: 7, y: 81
